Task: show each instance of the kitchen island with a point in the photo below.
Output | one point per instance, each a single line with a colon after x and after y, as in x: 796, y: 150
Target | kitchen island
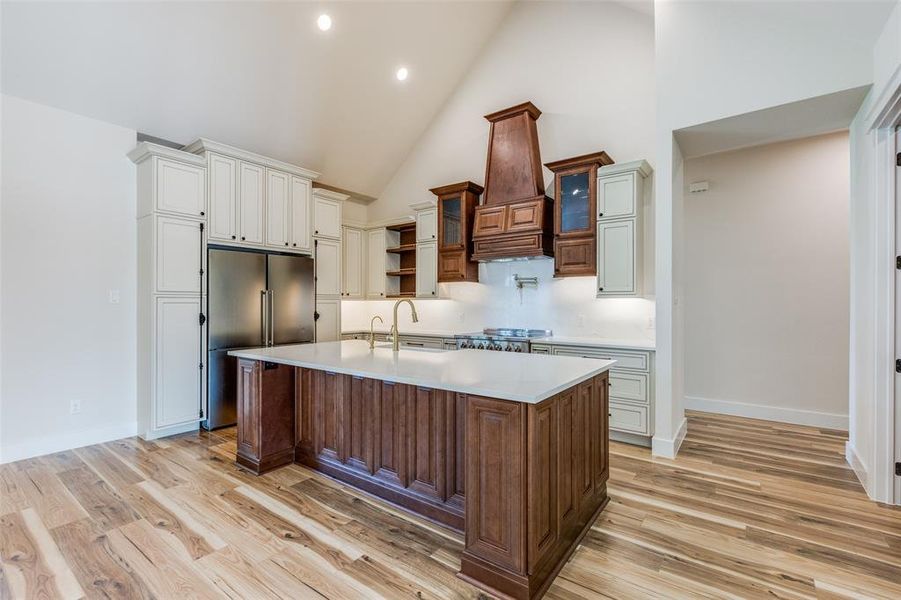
x: 511, y: 449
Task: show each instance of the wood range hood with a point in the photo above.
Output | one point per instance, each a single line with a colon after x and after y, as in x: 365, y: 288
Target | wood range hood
x: 515, y: 219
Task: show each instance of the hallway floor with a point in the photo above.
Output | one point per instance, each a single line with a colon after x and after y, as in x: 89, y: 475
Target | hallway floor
x: 749, y: 509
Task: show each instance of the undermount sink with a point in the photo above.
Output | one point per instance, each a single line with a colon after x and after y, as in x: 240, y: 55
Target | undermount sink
x: 387, y: 345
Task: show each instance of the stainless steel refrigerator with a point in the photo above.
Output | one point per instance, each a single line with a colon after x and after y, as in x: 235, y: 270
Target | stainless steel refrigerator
x: 254, y: 299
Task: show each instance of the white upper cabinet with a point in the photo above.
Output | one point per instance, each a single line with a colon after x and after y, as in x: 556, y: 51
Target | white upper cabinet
x: 375, y: 263
x: 250, y: 202
x: 619, y: 189
x: 352, y: 246
x: 179, y: 254
x: 180, y: 188
x: 223, y: 217
x: 427, y: 225
x: 177, y: 354
x: 326, y: 215
x: 277, y: 209
x: 427, y: 270
x: 618, y: 252
x: 301, y: 238
x: 328, y: 267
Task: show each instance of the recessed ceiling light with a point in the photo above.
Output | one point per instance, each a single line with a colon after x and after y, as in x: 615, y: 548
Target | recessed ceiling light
x: 324, y: 21
x: 402, y: 73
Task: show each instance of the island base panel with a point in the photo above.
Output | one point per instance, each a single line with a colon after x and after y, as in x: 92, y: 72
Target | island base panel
x: 523, y: 481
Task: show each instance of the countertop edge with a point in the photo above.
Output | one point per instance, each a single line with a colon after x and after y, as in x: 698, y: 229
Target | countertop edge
x: 473, y: 389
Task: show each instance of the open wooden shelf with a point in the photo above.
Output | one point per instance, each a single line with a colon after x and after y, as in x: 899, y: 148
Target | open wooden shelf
x: 402, y: 249
x: 401, y: 272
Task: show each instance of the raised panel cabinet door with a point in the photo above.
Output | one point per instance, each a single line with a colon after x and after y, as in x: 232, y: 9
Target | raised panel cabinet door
x: 574, y: 256
x: 617, y: 196
x: 375, y: 264
x: 566, y: 509
x: 180, y: 188
x: 544, y: 446
x: 426, y: 413
x: 328, y: 325
x: 427, y: 225
x: 524, y: 216
x: 616, y: 257
x: 329, y: 415
x: 301, y: 230
x: 178, y: 393
x: 583, y: 483
x: 352, y: 243
x: 328, y: 267
x: 600, y: 438
x: 251, y: 183
x: 495, y: 482
x: 223, y: 178
x: 489, y: 220
x: 179, y: 255
x: 455, y: 426
x: 390, y: 450
x: 359, y: 417
x: 277, y: 201
x: 427, y: 270
x: 326, y: 217
x: 248, y: 408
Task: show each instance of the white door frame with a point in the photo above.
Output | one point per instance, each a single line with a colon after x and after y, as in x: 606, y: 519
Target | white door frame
x: 882, y: 120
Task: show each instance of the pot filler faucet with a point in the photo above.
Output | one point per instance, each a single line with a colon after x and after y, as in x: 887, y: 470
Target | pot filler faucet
x: 395, y: 340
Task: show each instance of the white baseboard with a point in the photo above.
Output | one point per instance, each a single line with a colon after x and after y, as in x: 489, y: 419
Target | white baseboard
x: 668, y: 448
x: 57, y: 443
x: 859, y: 468
x: 794, y: 416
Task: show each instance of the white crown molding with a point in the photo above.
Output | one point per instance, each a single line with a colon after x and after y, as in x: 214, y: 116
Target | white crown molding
x: 204, y: 145
x: 640, y: 166
x: 145, y: 150
x: 424, y: 204
x: 324, y: 193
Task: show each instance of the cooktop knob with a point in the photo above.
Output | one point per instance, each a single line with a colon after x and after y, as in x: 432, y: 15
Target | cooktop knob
x: 517, y: 349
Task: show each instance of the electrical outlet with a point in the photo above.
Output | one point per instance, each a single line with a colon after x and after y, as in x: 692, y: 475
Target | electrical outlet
x: 74, y: 406
x: 650, y: 322
x: 114, y: 296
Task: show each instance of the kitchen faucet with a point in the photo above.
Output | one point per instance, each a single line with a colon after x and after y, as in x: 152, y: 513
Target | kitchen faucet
x: 372, y: 330
x: 395, y: 341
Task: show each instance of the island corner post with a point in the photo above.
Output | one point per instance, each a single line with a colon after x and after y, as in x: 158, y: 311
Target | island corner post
x: 522, y: 481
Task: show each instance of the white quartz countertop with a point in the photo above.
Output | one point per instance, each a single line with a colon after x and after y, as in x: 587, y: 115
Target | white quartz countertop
x: 528, y: 378
x: 599, y: 342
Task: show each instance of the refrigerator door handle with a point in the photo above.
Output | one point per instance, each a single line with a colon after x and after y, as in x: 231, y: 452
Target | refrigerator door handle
x: 271, y: 317
x: 264, y: 314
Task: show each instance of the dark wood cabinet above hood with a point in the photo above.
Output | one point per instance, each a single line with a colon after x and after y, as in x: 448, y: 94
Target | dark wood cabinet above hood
x: 515, y: 219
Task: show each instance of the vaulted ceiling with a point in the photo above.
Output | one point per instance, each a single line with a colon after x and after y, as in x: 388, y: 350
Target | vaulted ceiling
x: 258, y: 75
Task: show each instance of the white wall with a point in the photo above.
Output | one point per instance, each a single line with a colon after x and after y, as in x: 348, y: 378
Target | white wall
x: 589, y: 66
x: 68, y: 237
x: 567, y: 306
x: 720, y: 59
x: 767, y: 283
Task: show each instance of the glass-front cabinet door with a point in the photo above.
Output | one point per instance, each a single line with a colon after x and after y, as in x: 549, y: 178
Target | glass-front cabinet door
x: 452, y: 229
x: 575, y: 203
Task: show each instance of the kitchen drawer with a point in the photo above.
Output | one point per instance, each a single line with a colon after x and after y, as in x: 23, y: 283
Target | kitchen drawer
x: 538, y: 349
x: 421, y: 342
x: 631, y: 418
x: 635, y: 361
x: 628, y: 386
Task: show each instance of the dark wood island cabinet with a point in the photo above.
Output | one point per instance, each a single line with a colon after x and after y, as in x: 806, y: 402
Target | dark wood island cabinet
x: 523, y: 481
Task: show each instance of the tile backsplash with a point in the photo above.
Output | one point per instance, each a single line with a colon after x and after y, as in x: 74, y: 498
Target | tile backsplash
x: 568, y: 306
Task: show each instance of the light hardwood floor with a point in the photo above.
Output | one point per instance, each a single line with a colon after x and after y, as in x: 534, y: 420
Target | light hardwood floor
x: 749, y: 509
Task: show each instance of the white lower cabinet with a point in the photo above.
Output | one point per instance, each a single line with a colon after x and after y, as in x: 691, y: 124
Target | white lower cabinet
x: 427, y: 270
x: 631, y: 387
x: 352, y: 267
x: 328, y: 325
x: 328, y: 267
x: 178, y: 357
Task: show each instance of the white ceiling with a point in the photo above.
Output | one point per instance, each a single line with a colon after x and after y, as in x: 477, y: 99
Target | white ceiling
x: 813, y: 116
x: 256, y: 75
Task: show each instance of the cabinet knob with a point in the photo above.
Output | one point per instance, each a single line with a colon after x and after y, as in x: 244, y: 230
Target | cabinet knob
x: 600, y: 289
x: 600, y: 214
x: 433, y: 293
x: 433, y: 236
x: 242, y: 238
x: 202, y: 214
x: 286, y: 243
x: 294, y: 244
x: 233, y: 237
x: 317, y: 231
